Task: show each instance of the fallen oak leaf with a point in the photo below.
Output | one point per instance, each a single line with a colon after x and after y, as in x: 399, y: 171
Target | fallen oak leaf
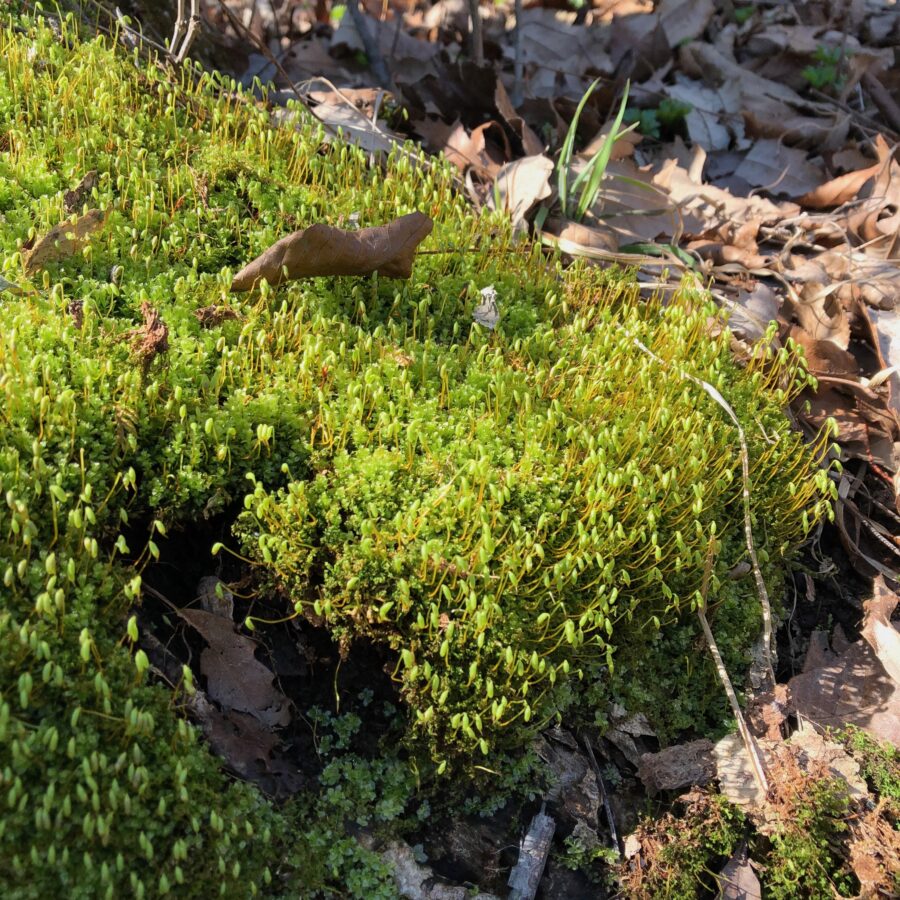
x: 325, y: 250
x: 846, y: 187
x: 64, y: 240
x: 877, y: 629
x: 235, y: 678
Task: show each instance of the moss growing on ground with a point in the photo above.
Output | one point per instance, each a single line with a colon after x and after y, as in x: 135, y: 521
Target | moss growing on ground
x: 508, y: 512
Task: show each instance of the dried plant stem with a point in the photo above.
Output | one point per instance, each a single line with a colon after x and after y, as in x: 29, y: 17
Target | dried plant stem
x: 518, y: 63
x: 185, y: 31
x: 756, y: 762
x: 477, y: 37
x: 748, y: 526
x: 370, y: 42
x: 604, y: 797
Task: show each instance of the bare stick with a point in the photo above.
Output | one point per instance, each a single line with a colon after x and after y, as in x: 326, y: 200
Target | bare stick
x: 477, y: 37
x: 370, y: 43
x: 192, y: 25
x: 533, y: 852
x: 756, y: 763
x: 748, y: 526
x: 604, y: 797
x: 518, y: 63
x: 883, y: 100
x: 180, y: 28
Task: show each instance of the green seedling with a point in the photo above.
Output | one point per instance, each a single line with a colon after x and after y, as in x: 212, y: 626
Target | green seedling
x: 826, y: 74
x: 664, y: 119
x: 589, y: 178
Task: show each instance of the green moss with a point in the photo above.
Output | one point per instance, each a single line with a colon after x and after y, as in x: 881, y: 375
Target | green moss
x: 879, y: 762
x: 547, y: 487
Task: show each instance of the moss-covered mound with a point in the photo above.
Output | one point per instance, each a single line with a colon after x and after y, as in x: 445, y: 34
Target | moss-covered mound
x: 505, y: 511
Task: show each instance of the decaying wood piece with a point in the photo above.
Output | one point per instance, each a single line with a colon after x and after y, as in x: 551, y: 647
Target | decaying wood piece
x: 533, y: 852
x: 325, y: 250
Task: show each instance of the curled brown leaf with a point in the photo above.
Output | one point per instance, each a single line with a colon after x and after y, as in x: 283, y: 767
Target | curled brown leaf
x: 325, y: 250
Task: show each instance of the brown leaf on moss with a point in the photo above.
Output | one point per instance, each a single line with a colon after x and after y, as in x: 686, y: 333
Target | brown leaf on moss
x: 64, y: 240
x: 325, y: 250
x: 152, y: 338
x: 211, y: 316
x: 74, y: 199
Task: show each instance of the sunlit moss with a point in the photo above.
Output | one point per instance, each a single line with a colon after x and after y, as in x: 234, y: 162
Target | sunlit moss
x: 502, y: 509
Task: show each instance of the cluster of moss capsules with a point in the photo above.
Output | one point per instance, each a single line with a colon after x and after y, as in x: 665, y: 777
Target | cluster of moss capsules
x: 498, y: 508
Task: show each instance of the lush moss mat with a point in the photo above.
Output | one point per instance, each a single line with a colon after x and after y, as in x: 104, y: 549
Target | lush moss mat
x: 520, y: 516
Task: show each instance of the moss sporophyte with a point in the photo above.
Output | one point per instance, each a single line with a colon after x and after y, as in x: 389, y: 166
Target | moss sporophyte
x: 518, y: 516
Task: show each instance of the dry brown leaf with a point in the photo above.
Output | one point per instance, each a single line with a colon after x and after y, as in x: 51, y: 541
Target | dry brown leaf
x: 573, y: 236
x: 631, y: 207
x: 878, y: 630
x: 395, y: 43
x: 356, y: 127
x: 325, y: 250
x: 235, y: 678
x: 711, y: 122
x: 845, y: 187
x: 874, y: 281
x: 821, y: 316
x: 825, y: 357
x: 248, y: 747
x: 768, y: 107
x: 706, y: 208
x: 521, y: 184
x: 557, y: 53
x: 781, y: 170
x: 64, y: 240
x: 531, y: 143
x: 74, y: 199
x: 684, y: 20
x: 753, y: 311
x: 462, y: 149
x: 853, y: 690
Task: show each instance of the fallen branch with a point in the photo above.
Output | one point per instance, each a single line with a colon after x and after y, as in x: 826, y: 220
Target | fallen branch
x: 185, y: 31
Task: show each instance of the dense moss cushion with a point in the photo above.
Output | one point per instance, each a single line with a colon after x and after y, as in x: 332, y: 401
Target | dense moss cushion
x: 520, y: 516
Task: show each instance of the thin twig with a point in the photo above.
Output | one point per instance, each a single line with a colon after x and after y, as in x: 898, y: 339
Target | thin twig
x: 518, y: 62
x: 370, y: 43
x: 476, y: 36
x: 604, y: 797
x: 748, y: 526
x: 756, y: 762
x: 883, y: 100
x: 190, y: 31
